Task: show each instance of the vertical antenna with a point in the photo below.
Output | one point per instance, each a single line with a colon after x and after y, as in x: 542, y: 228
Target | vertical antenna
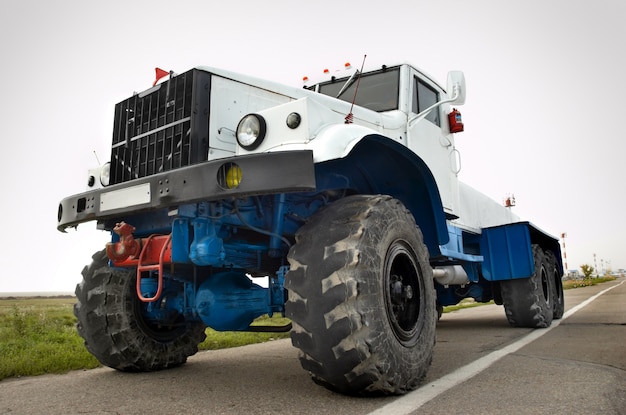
x: 350, y: 117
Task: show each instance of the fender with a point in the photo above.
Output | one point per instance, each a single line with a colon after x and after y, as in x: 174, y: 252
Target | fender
x: 331, y: 142
x: 324, y: 131
x: 337, y: 141
x: 376, y: 164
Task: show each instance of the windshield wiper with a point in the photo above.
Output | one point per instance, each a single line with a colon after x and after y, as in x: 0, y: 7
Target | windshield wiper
x: 348, y: 83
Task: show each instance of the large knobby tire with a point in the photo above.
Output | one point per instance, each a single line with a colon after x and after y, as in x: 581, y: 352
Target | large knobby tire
x: 115, y: 332
x: 361, y: 297
x: 558, y: 299
x: 528, y: 301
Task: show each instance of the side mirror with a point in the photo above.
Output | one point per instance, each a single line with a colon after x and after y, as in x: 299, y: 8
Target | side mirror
x: 456, y: 87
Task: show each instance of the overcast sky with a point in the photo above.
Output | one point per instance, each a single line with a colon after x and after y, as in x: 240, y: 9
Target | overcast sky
x: 544, y: 117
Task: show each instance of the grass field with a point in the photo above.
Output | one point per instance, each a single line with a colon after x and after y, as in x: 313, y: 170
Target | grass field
x: 38, y: 335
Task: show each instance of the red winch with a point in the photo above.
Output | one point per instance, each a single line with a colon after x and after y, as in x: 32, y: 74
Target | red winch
x: 147, y: 254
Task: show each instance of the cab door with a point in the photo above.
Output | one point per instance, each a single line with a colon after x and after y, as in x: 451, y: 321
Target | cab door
x: 428, y: 135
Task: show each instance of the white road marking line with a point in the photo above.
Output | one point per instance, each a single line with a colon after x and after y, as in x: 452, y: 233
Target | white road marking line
x: 414, y: 400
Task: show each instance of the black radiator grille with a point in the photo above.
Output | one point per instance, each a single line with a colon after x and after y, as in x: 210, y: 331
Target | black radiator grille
x: 162, y: 129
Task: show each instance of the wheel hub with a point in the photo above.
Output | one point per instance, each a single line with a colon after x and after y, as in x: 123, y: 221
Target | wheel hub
x: 400, y: 293
x: 403, y: 292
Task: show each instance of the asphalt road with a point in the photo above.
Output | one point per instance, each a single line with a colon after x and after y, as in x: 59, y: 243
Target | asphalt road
x: 481, y: 366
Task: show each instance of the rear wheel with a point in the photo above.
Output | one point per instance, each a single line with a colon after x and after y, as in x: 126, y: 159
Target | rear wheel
x: 439, y: 308
x: 528, y: 301
x: 111, y: 322
x: 558, y: 300
x: 361, y: 297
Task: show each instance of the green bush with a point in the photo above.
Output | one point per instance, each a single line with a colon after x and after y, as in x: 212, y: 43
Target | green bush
x: 585, y: 282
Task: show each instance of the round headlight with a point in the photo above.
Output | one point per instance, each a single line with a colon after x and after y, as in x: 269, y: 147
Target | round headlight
x: 293, y: 120
x: 105, y: 174
x: 251, y: 131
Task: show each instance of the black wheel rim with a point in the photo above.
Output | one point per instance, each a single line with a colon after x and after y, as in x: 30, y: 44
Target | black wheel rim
x: 160, y: 333
x: 404, y: 292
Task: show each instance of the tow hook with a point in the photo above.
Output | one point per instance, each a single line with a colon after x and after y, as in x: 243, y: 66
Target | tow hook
x: 127, y: 246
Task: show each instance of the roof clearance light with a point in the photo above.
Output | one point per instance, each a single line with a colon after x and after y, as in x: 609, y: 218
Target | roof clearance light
x: 326, y: 71
x: 348, y: 66
x: 251, y: 131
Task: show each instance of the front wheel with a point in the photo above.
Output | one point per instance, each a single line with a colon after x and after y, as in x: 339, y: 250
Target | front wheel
x: 111, y: 322
x: 361, y: 297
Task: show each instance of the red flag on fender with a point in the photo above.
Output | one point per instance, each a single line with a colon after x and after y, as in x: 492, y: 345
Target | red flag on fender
x: 160, y: 73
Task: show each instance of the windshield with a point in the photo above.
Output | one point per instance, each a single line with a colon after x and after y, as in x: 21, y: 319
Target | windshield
x: 378, y: 90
